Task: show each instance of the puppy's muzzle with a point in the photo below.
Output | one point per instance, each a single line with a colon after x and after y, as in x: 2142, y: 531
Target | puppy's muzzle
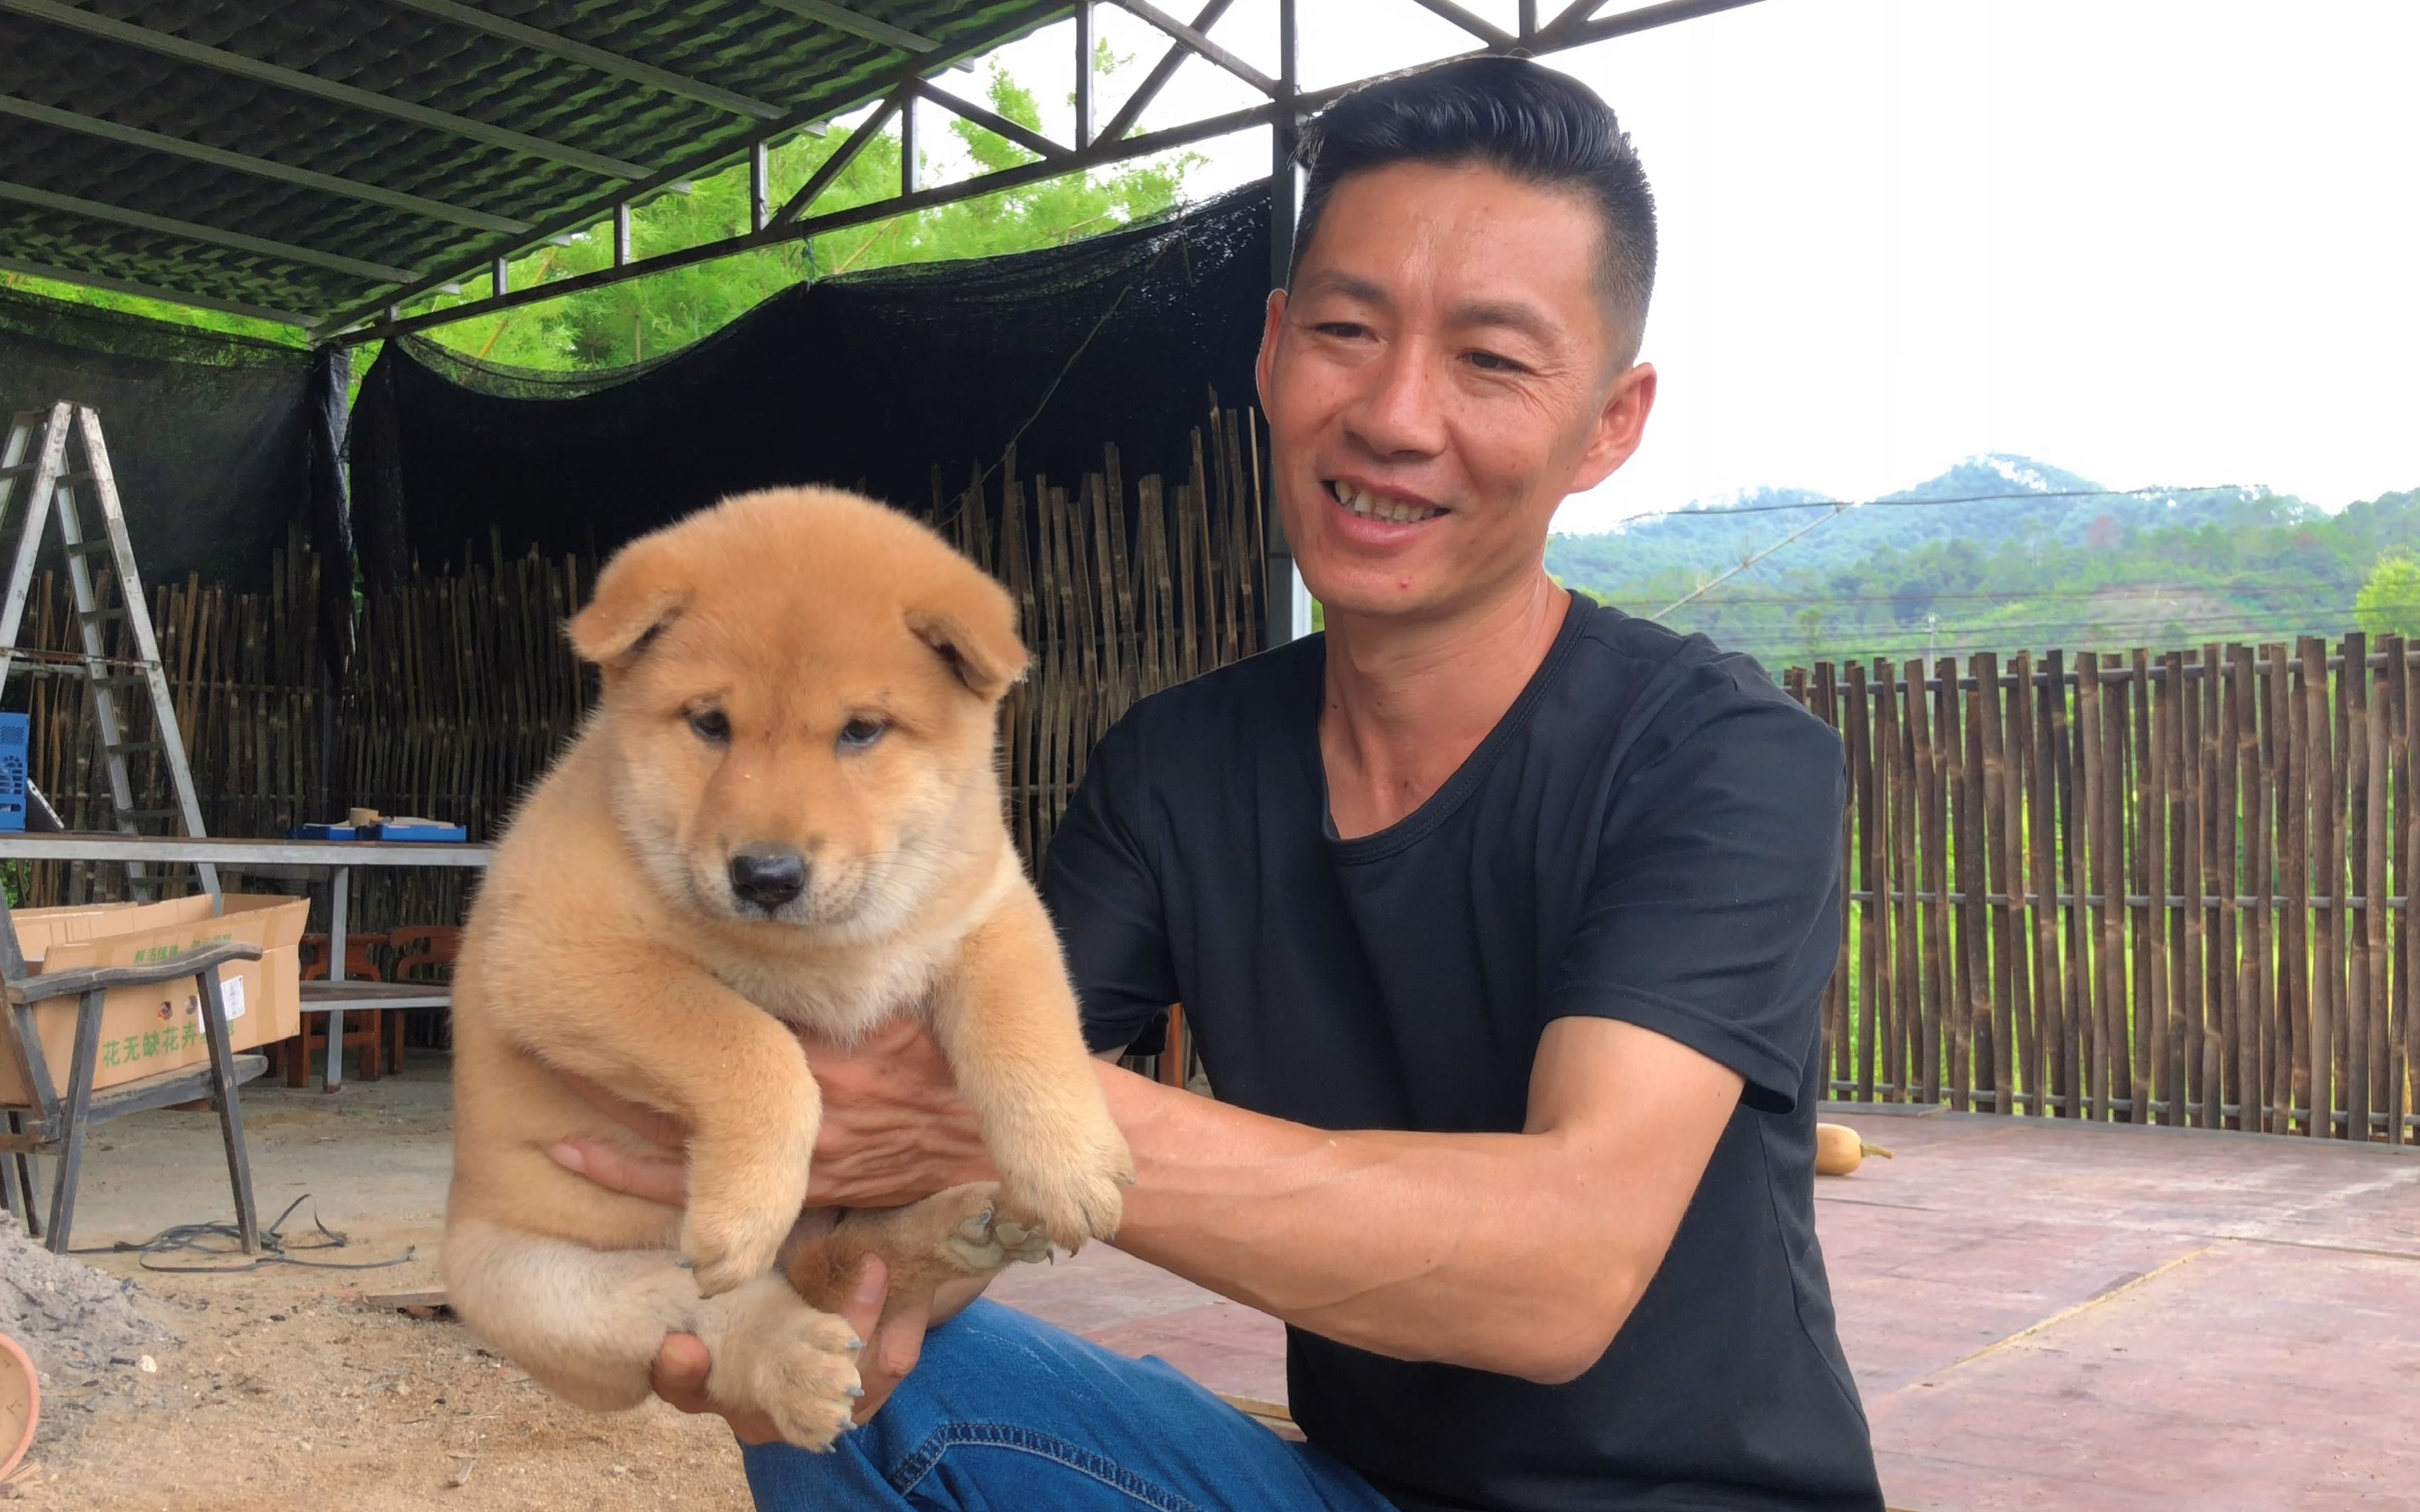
x: 768, y: 880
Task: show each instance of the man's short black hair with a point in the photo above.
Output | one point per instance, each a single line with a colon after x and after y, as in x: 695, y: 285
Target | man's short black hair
x: 1518, y: 117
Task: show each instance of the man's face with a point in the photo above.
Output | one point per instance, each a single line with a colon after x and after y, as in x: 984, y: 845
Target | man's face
x: 1440, y: 378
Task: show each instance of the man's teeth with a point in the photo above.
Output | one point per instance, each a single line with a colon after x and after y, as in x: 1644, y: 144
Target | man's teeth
x: 1393, y: 511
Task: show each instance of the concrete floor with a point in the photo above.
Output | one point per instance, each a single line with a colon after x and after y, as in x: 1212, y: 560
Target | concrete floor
x: 2040, y: 1316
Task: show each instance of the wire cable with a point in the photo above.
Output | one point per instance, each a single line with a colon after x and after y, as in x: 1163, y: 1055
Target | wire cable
x: 1690, y: 511
x: 222, y: 1239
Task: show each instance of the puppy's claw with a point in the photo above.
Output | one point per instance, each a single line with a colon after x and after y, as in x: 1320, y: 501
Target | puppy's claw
x: 1083, y: 1205
x: 726, y: 1244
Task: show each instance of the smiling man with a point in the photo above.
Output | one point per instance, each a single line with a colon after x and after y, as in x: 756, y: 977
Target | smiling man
x: 1502, y: 919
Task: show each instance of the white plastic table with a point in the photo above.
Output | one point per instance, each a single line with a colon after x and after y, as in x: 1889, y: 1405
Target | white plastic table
x: 338, y: 857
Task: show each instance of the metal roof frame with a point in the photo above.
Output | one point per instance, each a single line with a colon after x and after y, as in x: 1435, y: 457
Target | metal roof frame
x: 1285, y: 107
x: 500, y: 175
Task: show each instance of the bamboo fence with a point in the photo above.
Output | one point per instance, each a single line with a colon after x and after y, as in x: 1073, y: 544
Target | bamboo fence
x: 464, y: 687
x: 2169, y: 889
x: 2164, y: 888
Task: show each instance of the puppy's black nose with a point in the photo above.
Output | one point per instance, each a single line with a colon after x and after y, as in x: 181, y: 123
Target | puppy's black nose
x: 768, y: 879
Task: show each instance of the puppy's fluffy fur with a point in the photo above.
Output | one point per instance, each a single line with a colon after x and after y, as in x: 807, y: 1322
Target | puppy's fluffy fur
x: 795, y: 674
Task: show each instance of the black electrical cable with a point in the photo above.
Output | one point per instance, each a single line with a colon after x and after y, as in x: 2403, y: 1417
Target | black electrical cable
x: 222, y: 1239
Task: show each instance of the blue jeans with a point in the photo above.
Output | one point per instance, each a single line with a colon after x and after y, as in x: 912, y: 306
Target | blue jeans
x: 1005, y: 1414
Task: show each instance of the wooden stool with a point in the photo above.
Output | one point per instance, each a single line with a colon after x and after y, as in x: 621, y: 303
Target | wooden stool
x: 423, y: 953
x: 364, y: 1031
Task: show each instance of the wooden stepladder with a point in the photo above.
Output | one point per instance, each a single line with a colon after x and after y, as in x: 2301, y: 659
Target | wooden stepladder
x: 59, y: 453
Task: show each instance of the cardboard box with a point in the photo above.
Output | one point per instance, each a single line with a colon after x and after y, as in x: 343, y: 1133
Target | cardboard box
x: 148, y: 1030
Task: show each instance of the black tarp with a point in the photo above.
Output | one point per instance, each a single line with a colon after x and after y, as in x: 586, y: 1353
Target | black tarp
x: 871, y: 379
x: 216, y: 440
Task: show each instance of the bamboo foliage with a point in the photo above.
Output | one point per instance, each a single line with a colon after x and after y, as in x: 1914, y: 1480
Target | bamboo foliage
x: 2170, y: 888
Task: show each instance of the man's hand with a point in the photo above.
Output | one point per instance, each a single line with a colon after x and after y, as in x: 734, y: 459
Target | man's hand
x: 895, y: 1129
x: 892, y: 1347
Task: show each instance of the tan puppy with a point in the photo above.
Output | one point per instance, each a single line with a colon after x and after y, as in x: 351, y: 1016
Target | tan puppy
x: 784, y: 811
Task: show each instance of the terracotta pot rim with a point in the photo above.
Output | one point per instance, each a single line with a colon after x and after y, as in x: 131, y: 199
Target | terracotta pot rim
x: 11, y: 1454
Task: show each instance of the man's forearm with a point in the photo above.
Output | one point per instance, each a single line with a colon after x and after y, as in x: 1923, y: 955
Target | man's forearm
x: 1502, y: 1252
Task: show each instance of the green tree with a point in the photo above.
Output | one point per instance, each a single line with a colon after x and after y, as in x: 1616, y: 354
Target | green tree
x: 2389, y: 601
x: 648, y: 316
x: 178, y: 314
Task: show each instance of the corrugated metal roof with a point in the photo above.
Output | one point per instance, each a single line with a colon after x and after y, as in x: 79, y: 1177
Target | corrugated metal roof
x: 303, y: 159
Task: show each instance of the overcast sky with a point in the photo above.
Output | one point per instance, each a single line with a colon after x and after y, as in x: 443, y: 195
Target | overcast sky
x: 2154, y: 241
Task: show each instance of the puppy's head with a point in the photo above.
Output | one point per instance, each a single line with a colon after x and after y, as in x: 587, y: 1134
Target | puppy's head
x: 801, y: 691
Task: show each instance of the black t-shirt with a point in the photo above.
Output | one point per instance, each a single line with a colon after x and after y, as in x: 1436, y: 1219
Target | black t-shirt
x: 1652, y: 834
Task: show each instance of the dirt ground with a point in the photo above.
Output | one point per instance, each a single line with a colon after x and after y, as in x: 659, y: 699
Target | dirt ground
x: 288, y: 1390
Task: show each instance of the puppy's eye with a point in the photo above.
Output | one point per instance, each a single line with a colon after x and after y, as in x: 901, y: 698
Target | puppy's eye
x: 712, y: 726
x: 859, y: 733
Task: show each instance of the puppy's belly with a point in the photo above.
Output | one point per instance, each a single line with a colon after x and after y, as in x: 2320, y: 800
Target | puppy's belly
x: 523, y: 1189
x: 508, y: 1113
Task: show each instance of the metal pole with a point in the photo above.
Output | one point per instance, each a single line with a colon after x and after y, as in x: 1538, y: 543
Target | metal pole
x: 340, y: 895
x: 1083, y: 75
x: 1288, y: 605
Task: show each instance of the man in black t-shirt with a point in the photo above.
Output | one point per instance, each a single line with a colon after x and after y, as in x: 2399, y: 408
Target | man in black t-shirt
x: 1502, y: 919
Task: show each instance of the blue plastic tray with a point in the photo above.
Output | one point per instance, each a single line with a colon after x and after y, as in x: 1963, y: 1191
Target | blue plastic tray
x: 418, y: 834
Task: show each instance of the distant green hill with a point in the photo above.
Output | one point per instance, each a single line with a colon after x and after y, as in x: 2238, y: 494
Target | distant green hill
x: 1998, y: 553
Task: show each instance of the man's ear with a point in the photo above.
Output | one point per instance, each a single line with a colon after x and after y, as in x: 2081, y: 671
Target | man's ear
x: 1272, y: 326
x: 974, y: 630
x: 640, y: 593
x: 1620, y: 424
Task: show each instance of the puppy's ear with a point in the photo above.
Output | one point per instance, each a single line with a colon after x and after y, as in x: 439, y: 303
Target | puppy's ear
x: 640, y: 592
x: 974, y: 630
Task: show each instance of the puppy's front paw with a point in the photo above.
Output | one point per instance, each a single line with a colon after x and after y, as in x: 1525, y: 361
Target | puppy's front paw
x: 1074, y: 1195
x: 794, y: 1364
x: 731, y: 1238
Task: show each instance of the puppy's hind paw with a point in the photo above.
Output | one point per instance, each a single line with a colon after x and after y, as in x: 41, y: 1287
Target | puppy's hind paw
x: 793, y: 1363
x: 808, y: 1380
x: 985, y: 1238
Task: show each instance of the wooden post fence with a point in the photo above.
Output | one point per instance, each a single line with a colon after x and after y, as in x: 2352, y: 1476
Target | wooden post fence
x: 2170, y: 888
